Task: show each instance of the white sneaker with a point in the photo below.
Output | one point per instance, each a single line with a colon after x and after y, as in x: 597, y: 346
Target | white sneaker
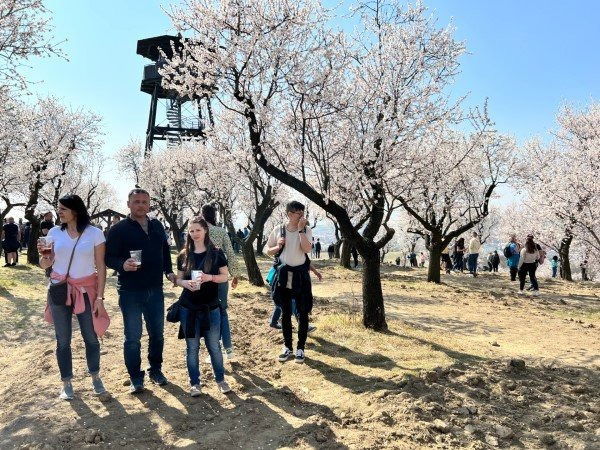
x: 536, y: 293
x: 224, y: 387
x: 229, y: 354
x: 66, y: 392
x: 299, y: 356
x: 521, y: 292
x: 285, y: 354
x: 195, y: 390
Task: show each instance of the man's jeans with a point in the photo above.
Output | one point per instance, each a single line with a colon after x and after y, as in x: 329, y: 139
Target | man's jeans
x: 149, y: 303
x: 225, y: 329
x: 63, y: 327
x: 473, y: 262
x: 211, y: 340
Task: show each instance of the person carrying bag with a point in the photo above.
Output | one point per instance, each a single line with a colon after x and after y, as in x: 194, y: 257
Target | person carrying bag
x: 77, y: 281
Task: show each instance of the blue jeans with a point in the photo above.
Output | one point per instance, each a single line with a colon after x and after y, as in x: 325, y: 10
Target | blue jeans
x: 149, y: 303
x: 473, y: 262
x: 63, y: 327
x: 554, y: 270
x: 211, y: 340
x: 225, y: 329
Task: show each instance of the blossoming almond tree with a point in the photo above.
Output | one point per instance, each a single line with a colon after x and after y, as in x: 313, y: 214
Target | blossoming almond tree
x: 25, y: 32
x: 53, y: 137
x: 452, y: 191
x: 262, y: 59
x: 563, y: 182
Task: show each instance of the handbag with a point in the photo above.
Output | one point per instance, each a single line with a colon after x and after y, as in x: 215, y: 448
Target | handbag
x: 173, y: 313
x: 58, y: 292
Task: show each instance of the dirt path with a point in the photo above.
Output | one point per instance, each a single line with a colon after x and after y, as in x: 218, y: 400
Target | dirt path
x: 440, y: 378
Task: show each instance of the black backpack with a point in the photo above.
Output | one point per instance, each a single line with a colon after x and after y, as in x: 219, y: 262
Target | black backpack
x: 507, y: 251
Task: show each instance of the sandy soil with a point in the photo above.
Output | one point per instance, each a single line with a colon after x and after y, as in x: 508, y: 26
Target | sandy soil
x: 467, y: 364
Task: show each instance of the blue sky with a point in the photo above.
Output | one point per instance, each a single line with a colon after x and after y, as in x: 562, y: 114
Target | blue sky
x: 527, y: 57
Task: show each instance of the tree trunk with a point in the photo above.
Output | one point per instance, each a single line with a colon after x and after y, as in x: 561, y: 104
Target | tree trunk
x: 336, y: 248
x: 254, y: 275
x: 260, y: 242
x: 382, y: 258
x: 346, y: 254
x: 565, y: 265
x: 433, y: 271
x: 33, y: 256
x: 176, y: 230
x: 373, y: 307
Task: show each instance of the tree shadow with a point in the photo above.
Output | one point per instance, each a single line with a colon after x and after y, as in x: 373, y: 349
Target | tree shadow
x: 373, y: 360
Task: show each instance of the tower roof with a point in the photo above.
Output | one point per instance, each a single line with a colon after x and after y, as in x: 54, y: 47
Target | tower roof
x: 148, y: 48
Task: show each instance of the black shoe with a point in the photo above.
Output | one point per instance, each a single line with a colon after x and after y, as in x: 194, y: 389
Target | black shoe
x: 136, y: 388
x: 276, y: 326
x: 158, y: 378
x: 7, y: 265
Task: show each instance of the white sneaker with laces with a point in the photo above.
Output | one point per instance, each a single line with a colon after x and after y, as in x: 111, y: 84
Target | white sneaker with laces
x: 224, y: 387
x: 228, y: 352
x: 299, y: 356
x: 285, y: 354
x: 195, y: 390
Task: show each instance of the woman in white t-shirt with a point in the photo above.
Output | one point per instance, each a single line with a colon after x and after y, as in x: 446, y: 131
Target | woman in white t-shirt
x: 77, y: 256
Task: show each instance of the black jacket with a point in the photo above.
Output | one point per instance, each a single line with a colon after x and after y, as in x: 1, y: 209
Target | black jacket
x: 128, y: 235
x: 301, y: 285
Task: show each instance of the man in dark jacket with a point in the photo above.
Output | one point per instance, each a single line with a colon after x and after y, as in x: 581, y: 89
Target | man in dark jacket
x: 140, y: 285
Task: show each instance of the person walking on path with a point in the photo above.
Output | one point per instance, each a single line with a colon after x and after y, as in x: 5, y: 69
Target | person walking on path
x: 331, y: 251
x: 137, y: 249
x: 202, y: 268
x: 220, y: 238
x: 474, y: 247
x: 584, y: 267
x: 512, y: 251
x: 292, y: 277
x: 495, y: 261
x: 446, y: 260
x: 77, y: 258
x: 459, y: 254
x: 528, y: 263
x: 554, y: 265
x: 10, y: 242
x: 318, y: 249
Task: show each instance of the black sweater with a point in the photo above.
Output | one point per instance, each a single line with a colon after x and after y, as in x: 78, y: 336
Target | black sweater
x: 128, y: 235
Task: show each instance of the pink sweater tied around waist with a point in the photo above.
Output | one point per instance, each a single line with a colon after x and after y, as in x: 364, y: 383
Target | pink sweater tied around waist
x: 75, y: 291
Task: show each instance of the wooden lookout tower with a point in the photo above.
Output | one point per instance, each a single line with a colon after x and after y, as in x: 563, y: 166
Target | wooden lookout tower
x: 172, y: 118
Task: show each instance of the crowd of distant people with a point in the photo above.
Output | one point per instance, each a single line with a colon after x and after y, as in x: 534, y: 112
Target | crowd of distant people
x: 522, y: 260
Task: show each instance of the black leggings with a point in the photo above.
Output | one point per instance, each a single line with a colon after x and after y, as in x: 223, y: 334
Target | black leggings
x: 286, y: 321
x: 528, y: 268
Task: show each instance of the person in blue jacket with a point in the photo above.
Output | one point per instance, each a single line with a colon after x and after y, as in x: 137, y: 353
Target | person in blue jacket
x: 512, y: 252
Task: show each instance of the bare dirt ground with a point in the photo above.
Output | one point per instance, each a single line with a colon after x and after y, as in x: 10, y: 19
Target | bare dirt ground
x: 466, y: 364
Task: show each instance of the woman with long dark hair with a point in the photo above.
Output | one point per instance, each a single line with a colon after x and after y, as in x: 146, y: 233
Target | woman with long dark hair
x: 76, y: 257
x: 201, y: 268
x: 459, y: 254
x: 221, y: 239
x: 528, y: 263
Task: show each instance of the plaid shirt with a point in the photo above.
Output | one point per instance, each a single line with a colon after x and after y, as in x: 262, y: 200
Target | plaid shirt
x: 220, y: 238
